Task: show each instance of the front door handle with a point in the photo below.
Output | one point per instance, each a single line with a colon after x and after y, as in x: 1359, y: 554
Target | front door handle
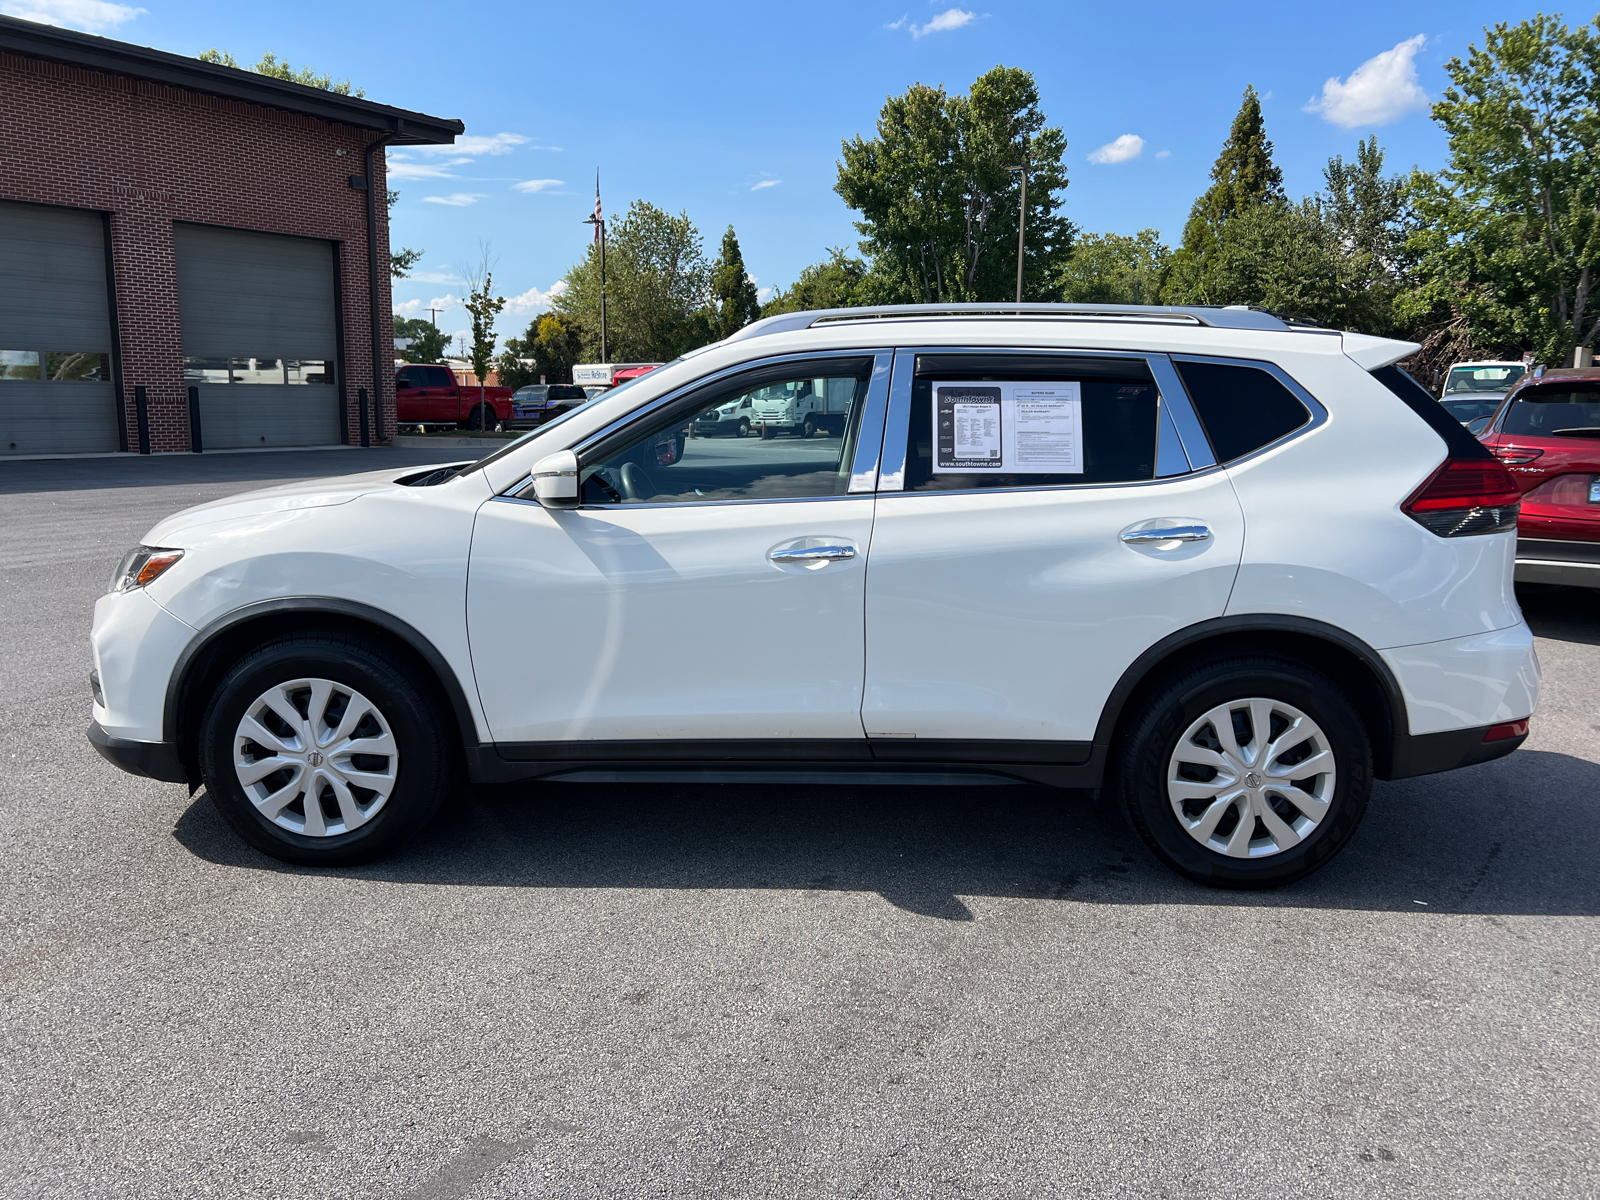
x: 818, y: 554
x: 1176, y: 533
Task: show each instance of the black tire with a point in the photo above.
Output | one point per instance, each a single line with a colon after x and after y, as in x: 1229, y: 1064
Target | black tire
x: 478, y: 418
x: 744, y: 427
x: 370, y: 668
x: 1164, y: 715
x: 809, y: 428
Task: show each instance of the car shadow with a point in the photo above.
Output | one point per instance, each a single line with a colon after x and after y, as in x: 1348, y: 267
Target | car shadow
x: 1563, y: 614
x: 1514, y: 837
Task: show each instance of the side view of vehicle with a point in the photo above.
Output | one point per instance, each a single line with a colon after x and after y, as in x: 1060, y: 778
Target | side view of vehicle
x: 426, y: 394
x: 532, y: 406
x: 1548, y: 435
x: 732, y: 418
x: 1219, y: 570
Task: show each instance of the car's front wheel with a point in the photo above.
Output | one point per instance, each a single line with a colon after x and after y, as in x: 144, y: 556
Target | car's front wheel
x: 1249, y: 771
x: 318, y: 749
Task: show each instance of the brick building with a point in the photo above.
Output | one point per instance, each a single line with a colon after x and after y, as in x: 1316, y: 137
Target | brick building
x: 191, y: 256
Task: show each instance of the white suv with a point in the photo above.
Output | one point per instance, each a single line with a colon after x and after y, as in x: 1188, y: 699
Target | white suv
x: 1223, y: 569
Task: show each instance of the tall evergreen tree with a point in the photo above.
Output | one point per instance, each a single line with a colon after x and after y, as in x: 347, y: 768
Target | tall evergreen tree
x: 732, y: 291
x: 1243, y: 176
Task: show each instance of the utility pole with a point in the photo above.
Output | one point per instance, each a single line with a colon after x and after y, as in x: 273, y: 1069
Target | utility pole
x: 599, y: 223
x: 433, y: 316
x: 1022, y: 220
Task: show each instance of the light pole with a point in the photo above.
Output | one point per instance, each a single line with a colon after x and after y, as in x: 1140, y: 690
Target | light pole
x: 1022, y: 219
x: 600, y: 226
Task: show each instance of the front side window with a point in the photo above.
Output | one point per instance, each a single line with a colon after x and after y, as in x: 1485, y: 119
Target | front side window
x: 1243, y: 408
x: 1569, y: 411
x: 795, y: 459
x: 981, y: 421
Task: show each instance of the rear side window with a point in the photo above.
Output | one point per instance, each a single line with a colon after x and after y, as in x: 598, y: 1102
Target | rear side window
x: 1044, y: 420
x: 439, y: 377
x: 1242, y: 408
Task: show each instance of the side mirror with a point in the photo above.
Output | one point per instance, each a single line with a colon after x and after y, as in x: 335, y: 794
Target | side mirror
x: 555, y: 480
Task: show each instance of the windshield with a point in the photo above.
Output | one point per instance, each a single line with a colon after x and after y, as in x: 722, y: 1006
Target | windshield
x: 543, y: 429
x: 1555, y: 412
x: 1464, y: 381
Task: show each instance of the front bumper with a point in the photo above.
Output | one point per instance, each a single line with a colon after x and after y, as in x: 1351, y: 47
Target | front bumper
x: 153, y: 760
x: 1547, y: 560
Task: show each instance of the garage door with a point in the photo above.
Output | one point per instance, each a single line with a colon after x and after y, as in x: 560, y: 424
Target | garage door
x: 258, y: 336
x: 56, y: 395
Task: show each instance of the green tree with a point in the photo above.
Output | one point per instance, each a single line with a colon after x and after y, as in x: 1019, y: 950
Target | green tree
x: 483, y: 306
x: 1243, y: 176
x: 939, y: 206
x: 557, y: 342
x: 840, y: 282
x: 737, y: 303
x: 517, y: 365
x: 269, y: 64
x: 1109, y: 268
x: 1508, y: 235
x: 658, y: 293
x: 428, y: 341
x: 401, y: 261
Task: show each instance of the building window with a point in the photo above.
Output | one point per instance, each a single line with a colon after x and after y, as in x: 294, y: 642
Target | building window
x: 244, y: 369
x: 68, y: 366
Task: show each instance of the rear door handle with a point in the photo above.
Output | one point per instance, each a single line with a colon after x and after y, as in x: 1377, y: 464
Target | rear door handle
x: 812, y: 554
x: 1176, y: 533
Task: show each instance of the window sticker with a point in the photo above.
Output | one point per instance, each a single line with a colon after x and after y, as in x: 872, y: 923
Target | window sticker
x: 1016, y: 428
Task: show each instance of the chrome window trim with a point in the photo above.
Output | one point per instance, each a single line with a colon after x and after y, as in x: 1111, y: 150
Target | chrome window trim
x: 1171, y: 400
x: 1319, y: 414
x: 614, y: 508
x: 869, y: 430
x: 651, y: 406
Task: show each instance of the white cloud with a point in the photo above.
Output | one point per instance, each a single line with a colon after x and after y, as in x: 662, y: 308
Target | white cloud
x: 410, y: 170
x: 536, y: 185
x: 434, y: 277
x: 457, y: 199
x: 533, y: 300
x: 1380, y: 91
x: 764, y: 294
x: 93, y: 16
x: 1126, y: 147
x: 417, y: 308
x: 950, y: 18
x: 472, y: 144
x: 766, y: 183
x: 1163, y: 153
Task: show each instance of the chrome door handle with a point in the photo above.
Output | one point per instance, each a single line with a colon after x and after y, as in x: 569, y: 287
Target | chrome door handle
x: 812, y: 554
x: 1178, y: 533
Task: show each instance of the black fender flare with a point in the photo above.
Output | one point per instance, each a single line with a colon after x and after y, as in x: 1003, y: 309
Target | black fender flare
x: 311, y: 606
x: 1246, y: 624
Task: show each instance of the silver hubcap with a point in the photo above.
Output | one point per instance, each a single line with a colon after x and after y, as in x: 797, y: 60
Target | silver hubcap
x: 1251, y: 778
x: 315, y: 757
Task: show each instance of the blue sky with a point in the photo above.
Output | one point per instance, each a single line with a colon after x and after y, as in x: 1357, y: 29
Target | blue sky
x: 735, y: 111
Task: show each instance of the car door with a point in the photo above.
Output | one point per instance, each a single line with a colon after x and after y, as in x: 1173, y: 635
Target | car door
x: 1040, y: 524
x: 702, y: 592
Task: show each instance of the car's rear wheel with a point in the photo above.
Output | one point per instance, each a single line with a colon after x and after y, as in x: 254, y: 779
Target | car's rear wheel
x: 1246, y: 772
x: 318, y: 749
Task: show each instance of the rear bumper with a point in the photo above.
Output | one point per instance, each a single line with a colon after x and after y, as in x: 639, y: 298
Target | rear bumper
x: 1430, y: 753
x: 153, y: 760
x: 1547, y: 560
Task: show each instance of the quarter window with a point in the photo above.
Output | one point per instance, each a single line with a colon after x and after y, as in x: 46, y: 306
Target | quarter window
x: 1009, y: 421
x: 1242, y: 408
x: 802, y: 447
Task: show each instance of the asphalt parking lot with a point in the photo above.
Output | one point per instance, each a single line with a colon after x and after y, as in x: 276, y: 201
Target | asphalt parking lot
x: 658, y: 990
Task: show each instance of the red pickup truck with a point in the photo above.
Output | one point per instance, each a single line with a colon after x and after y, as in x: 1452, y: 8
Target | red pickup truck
x: 429, y: 395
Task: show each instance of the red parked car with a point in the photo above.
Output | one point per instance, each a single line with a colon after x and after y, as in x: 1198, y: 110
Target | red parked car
x: 1548, y: 435
x: 430, y: 395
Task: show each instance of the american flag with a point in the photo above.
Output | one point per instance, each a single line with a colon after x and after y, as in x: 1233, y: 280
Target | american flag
x: 597, y: 217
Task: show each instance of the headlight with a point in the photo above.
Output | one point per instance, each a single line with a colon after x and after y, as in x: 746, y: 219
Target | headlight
x: 142, y: 566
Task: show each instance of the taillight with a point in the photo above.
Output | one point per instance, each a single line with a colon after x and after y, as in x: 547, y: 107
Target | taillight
x: 1465, y: 497
x: 1516, y: 455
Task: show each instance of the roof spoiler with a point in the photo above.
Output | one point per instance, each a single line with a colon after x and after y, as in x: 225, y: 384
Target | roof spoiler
x: 1371, y: 353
